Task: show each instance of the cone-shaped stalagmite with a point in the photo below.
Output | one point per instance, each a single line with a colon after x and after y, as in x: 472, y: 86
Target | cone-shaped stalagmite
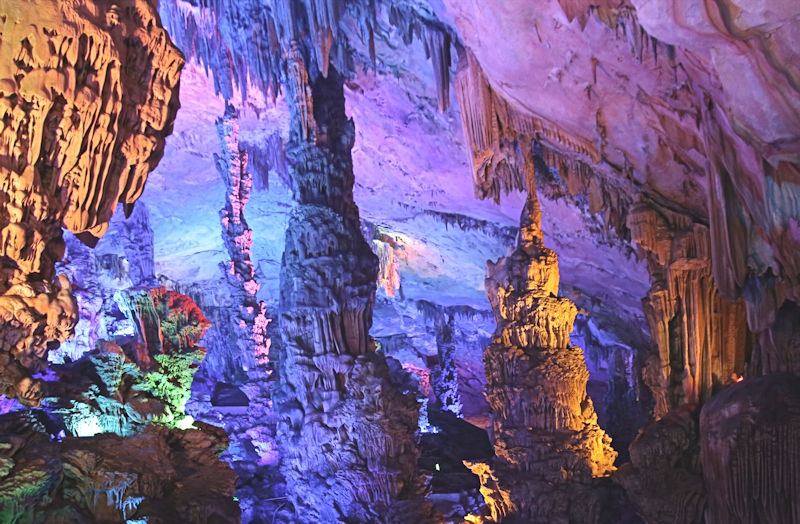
x: 548, y: 445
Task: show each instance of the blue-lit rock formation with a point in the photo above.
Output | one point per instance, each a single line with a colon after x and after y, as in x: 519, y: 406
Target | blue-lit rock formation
x: 346, y: 432
x: 445, y: 377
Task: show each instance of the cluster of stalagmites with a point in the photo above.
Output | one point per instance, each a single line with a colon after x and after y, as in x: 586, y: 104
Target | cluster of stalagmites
x: 346, y: 433
x: 89, y: 93
x: 549, y: 449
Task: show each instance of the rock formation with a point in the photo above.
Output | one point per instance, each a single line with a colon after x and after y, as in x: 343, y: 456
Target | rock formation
x: 548, y: 446
x: 702, y: 339
x: 250, y: 337
x: 114, y: 442
x: 89, y: 93
x: 346, y: 433
x: 666, y: 139
x: 749, y: 451
x: 445, y: 378
x: 664, y: 479
x: 161, y: 475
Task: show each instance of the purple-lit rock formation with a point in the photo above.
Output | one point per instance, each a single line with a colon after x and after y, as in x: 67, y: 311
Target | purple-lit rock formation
x: 251, y: 340
x: 548, y: 446
x: 749, y: 451
x: 665, y: 137
x: 346, y: 433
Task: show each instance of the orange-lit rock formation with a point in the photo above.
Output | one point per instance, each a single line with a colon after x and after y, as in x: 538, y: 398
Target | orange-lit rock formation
x: 88, y: 92
x: 701, y: 338
x: 549, y: 448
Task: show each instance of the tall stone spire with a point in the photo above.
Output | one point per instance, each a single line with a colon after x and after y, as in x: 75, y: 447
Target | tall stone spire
x: 548, y: 446
x: 346, y: 432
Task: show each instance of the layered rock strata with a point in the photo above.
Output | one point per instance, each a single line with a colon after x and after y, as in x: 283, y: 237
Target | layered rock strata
x: 548, y: 446
x: 346, y: 433
x: 89, y: 92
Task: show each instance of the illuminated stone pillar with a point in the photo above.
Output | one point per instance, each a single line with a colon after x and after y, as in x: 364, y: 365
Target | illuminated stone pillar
x: 346, y: 433
x: 547, y: 443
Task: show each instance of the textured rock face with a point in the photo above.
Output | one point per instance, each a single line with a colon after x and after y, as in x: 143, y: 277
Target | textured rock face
x: 749, y: 451
x: 88, y: 95
x: 159, y: 474
x: 664, y: 478
x: 547, y: 443
x: 346, y: 432
x: 702, y: 339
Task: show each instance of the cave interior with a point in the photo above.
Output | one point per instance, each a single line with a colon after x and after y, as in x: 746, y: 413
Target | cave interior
x: 400, y: 261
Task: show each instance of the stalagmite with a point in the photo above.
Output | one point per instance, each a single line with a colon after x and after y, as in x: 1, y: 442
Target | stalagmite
x: 346, y: 433
x: 445, y: 379
x: 549, y: 449
x: 86, y: 103
x: 251, y: 320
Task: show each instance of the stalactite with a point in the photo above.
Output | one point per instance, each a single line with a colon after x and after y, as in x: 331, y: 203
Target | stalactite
x: 264, y: 158
x: 251, y: 320
x: 437, y: 48
x: 549, y: 449
x: 754, y: 238
x: 494, y: 131
x: 346, y: 432
x: 702, y: 339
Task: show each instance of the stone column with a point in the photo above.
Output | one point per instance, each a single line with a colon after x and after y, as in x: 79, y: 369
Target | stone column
x: 247, y: 324
x: 547, y: 443
x: 445, y: 379
x: 346, y: 433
